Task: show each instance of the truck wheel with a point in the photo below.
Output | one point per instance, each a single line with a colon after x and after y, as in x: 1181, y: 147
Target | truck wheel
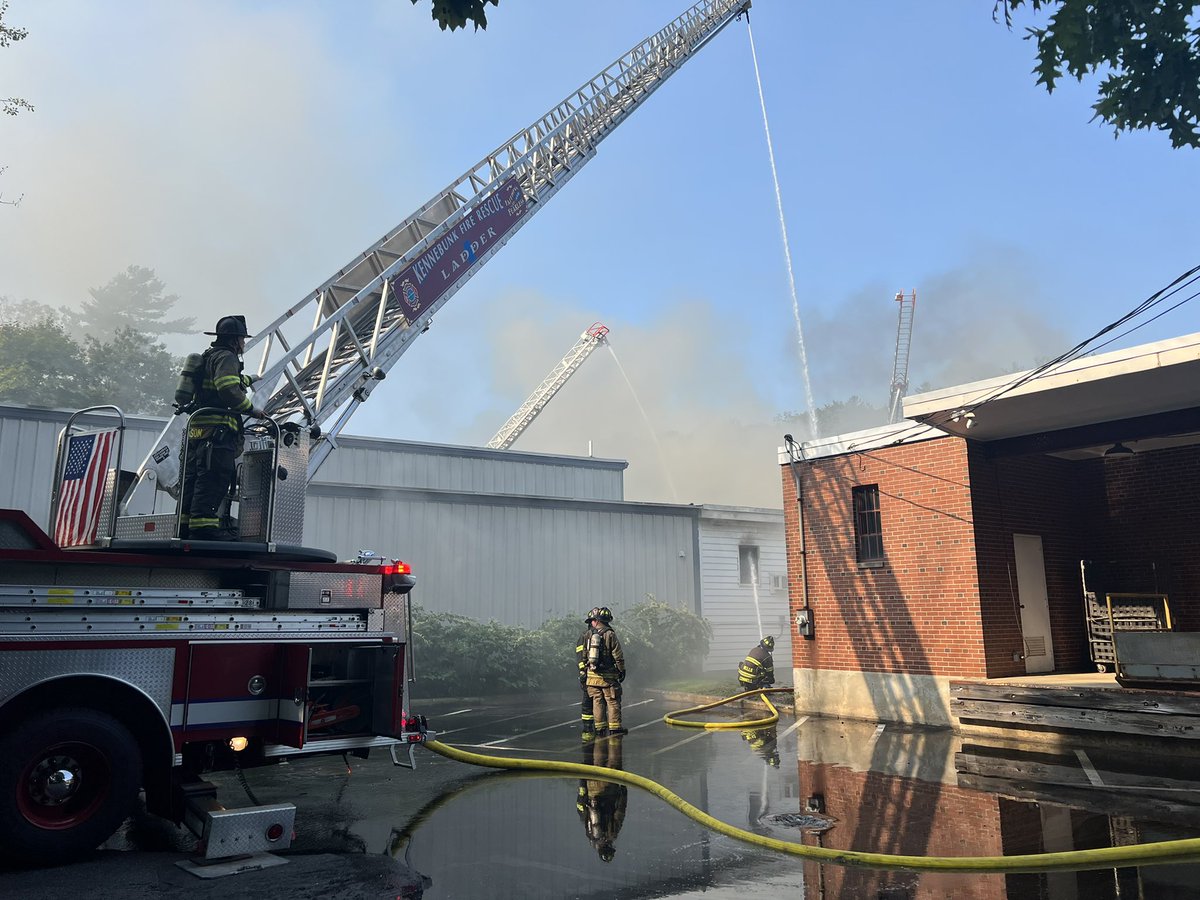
x: 68, y: 779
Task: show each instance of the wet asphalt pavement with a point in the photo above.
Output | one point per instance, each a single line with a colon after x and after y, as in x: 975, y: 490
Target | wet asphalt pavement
x: 449, y: 830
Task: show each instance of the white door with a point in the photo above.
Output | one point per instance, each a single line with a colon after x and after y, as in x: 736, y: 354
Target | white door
x: 1034, y: 602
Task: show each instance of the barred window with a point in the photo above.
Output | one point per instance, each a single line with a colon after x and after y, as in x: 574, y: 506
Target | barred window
x: 868, y: 528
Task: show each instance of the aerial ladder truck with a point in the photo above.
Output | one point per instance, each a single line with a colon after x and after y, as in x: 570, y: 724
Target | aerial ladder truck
x: 133, y: 660
x: 544, y: 392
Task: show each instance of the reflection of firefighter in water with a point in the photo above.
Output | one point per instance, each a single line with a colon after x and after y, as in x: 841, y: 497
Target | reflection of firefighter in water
x: 601, y: 804
x: 764, y: 742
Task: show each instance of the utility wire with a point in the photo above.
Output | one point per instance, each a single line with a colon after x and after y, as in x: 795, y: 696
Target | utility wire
x: 1188, y: 279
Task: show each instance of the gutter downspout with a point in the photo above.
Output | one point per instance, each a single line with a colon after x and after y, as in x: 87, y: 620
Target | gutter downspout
x: 804, y: 618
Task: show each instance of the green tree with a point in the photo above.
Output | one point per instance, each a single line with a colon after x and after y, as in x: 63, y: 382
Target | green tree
x: 133, y: 299
x: 454, y: 14
x: 10, y: 35
x: 40, y: 365
x: 131, y: 371
x: 1148, y: 53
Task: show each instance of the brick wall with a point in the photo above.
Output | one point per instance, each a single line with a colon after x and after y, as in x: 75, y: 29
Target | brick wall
x: 919, y: 613
x: 1040, y: 495
x: 945, y: 601
x: 1148, y: 511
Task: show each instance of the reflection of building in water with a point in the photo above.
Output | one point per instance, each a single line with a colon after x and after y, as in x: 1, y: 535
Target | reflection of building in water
x: 930, y: 794
x: 601, y: 804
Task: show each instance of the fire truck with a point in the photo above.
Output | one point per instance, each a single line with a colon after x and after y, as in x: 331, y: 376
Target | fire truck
x: 133, y: 660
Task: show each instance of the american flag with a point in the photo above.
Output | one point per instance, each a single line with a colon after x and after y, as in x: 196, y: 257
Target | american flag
x: 82, y: 488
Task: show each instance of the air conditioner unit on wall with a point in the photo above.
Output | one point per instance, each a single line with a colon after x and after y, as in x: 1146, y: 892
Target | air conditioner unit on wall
x: 779, y: 582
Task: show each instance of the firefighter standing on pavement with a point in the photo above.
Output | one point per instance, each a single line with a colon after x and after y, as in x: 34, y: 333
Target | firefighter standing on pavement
x: 601, y: 804
x: 758, y: 669
x: 215, y: 436
x: 605, y: 671
x: 588, y: 720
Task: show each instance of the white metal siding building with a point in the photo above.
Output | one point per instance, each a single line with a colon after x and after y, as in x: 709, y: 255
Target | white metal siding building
x: 743, y: 579
x: 498, y: 534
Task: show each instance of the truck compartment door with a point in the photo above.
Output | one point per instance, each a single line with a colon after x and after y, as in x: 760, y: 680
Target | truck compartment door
x: 389, y: 706
x: 292, y: 718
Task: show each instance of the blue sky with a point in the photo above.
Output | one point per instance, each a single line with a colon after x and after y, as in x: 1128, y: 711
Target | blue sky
x: 247, y: 150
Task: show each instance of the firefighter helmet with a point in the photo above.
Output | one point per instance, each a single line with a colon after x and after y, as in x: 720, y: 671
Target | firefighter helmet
x: 767, y: 643
x: 607, y: 852
x: 604, y: 614
x: 230, y: 326
x: 593, y: 613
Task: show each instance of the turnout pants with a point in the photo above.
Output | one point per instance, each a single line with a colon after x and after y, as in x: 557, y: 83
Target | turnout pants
x: 208, y: 474
x: 606, y: 703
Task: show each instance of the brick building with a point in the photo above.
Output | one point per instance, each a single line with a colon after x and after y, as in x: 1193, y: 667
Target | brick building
x: 950, y: 545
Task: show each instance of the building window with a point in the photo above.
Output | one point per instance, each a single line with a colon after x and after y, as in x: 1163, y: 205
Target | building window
x: 868, y: 529
x: 747, y: 564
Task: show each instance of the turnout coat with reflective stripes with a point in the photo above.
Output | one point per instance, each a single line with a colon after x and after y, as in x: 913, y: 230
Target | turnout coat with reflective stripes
x: 757, y: 667
x: 224, y: 387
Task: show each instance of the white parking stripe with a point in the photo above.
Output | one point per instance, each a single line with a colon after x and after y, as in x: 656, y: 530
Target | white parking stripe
x: 686, y: 740
x: 549, y: 727
x: 800, y: 721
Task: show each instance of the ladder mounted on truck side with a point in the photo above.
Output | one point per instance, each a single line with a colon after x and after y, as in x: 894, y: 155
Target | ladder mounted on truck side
x: 523, y: 417
x: 366, y: 315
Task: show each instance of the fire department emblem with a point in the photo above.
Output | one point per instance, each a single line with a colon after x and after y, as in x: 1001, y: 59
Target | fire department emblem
x: 409, y: 294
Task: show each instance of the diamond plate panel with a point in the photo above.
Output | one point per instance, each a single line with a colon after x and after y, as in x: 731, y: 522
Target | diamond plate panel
x: 149, y: 669
x: 260, y: 487
x: 106, y: 506
x: 288, y: 524
x: 229, y: 832
x: 395, y: 615
x: 146, y: 528
x: 334, y: 590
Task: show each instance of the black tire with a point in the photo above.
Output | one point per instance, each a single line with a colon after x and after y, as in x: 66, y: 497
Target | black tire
x: 68, y: 779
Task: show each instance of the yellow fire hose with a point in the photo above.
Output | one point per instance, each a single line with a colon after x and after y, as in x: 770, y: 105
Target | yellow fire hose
x: 670, y: 718
x: 1179, y: 851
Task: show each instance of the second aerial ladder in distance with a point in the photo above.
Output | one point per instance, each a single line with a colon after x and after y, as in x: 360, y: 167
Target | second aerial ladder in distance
x: 523, y: 417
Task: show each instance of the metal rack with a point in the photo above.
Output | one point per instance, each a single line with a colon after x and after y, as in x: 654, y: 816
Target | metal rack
x: 1120, y: 596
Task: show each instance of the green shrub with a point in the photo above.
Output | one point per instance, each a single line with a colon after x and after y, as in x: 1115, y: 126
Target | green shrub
x: 458, y: 656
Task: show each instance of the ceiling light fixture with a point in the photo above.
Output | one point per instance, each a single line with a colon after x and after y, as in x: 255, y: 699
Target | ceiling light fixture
x: 1118, y: 449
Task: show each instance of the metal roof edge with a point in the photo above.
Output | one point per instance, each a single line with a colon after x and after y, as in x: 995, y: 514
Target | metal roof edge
x: 1143, y: 357
x: 906, y: 432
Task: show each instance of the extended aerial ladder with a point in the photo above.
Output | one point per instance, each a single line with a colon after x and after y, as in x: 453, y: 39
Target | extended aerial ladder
x: 370, y: 311
x: 908, y: 309
x: 523, y: 417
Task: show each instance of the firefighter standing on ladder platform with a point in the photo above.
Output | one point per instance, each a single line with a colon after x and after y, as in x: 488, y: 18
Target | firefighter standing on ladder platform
x: 605, y: 672
x: 215, y: 437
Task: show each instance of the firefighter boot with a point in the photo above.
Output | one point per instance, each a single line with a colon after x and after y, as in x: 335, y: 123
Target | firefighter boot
x: 615, y: 728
